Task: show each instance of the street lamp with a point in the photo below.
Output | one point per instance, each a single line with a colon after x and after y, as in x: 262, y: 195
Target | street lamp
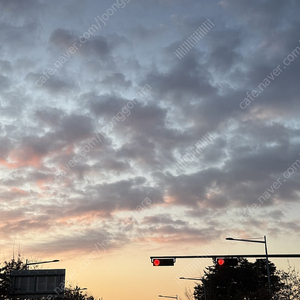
x: 173, y: 297
x: 267, y: 259
x: 41, y: 262
x: 203, y: 281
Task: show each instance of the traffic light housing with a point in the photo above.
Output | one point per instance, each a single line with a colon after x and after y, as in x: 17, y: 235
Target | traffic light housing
x: 158, y: 262
x: 222, y: 261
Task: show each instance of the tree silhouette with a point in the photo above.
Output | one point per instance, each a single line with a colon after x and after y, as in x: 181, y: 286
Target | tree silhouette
x: 246, y: 281
x: 291, y: 284
x: 75, y: 294
x: 14, y: 264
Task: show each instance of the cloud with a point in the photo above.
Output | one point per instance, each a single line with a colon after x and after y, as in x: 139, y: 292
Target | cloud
x: 62, y: 38
x: 20, y: 8
x: 52, y: 84
x: 116, y: 80
x: 185, y: 78
x: 70, y: 199
x: 89, y: 44
x: 163, y: 219
x: 168, y: 234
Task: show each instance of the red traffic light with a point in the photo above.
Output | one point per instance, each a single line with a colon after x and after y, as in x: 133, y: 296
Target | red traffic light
x: 163, y: 262
x: 156, y: 262
x: 230, y: 261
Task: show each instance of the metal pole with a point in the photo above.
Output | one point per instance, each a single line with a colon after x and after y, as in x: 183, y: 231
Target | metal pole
x: 268, y: 269
x: 228, y: 256
x: 173, y: 297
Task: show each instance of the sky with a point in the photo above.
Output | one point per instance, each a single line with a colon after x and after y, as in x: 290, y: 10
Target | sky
x: 131, y: 129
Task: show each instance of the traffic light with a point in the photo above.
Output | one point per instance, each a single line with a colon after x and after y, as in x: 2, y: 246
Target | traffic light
x: 222, y: 261
x: 158, y: 262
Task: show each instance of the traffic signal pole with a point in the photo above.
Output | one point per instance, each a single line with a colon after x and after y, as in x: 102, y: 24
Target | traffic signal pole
x: 268, y: 268
x: 227, y: 256
x: 170, y: 260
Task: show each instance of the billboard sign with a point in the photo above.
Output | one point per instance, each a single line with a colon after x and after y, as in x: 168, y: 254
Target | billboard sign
x: 37, y: 283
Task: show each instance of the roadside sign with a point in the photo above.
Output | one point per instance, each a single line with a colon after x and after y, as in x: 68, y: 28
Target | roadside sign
x: 37, y: 283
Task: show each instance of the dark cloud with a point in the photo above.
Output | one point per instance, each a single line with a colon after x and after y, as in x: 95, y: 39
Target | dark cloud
x: 145, y: 34
x: 5, y: 146
x: 17, y: 37
x: 51, y: 116
x: 20, y: 8
x: 192, y: 190
x: 121, y: 195
x: 89, y: 44
x: 163, y: 219
x: 6, y: 66
x: 262, y: 14
x: 62, y: 38
x: 4, y: 82
x: 89, y: 241
x: 52, y: 84
x: 116, y: 80
x: 76, y: 127
x: 169, y: 234
x: 104, y: 105
x: 185, y: 78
